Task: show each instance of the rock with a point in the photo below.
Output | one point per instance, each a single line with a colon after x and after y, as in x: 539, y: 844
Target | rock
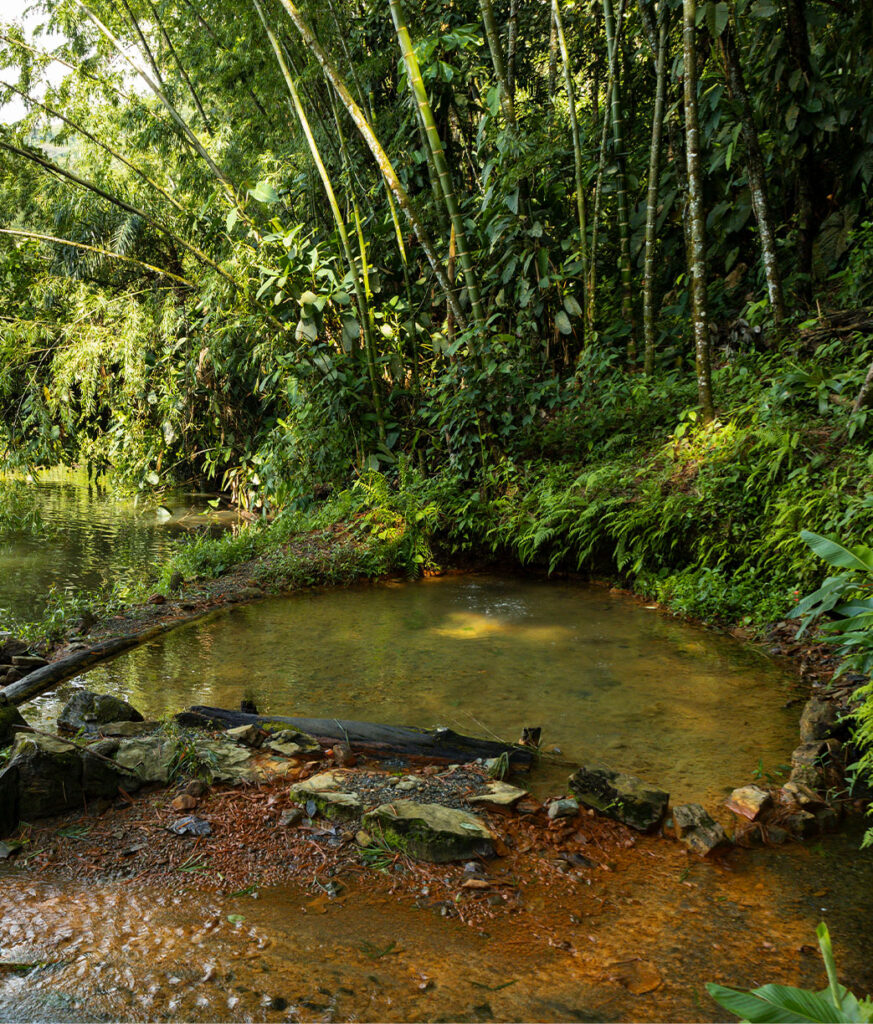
x: 292, y: 743
x: 472, y: 867
x: 49, y: 776
x: 249, y: 593
x: 802, y: 824
x: 563, y: 809
x: 696, y: 828
x: 499, y: 794
x: 325, y: 791
x: 248, y: 735
x: 11, y: 722
x: 363, y: 838
x: 87, y: 710
x: 749, y: 801
x: 803, y: 796
x: 191, y: 826
x: 197, y: 788
x: 288, y: 819
x: 777, y: 836
x: 102, y: 780
x: 827, y: 819
x: 620, y: 796
x: 176, y: 581
x: 431, y: 832
x: 28, y: 662
x: 149, y: 756
x: 342, y: 754
x: 809, y: 776
x: 11, y: 648
x: 184, y: 802
x: 12, y: 676
x: 128, y: 728
x: 818, y: 720
x: 8, y: 800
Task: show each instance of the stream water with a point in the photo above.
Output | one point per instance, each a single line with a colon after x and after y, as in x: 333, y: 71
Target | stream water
x: 606, y: 678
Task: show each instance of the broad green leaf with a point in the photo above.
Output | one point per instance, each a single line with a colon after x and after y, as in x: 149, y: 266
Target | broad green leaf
x: 860, y: 557
x: 562, y: 322
x: 778, y: 1004
x: 572, y: 306
x: 264, y: 193
x: 231, y: 219
x: 306, y: 330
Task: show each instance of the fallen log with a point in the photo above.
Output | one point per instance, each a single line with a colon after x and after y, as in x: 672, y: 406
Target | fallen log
x: 436, y: 745
x: 42, y: 679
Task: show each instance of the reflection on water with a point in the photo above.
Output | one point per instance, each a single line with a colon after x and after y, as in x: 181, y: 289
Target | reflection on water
x: 604, y: 677
x: 94, y: 538
x: 124, y: 951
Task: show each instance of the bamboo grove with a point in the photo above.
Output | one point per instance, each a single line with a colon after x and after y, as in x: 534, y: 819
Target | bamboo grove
x: 267, y: 244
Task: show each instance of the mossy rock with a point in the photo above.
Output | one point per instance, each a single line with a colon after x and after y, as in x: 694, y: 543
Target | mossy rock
x: 49, y: 775
x: 326, y: 792
x: 11, y: 723
x: 431, y: 832
x: 88, y: 711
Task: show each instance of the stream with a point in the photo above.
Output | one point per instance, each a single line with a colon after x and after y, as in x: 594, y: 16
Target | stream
x: 607, y: 679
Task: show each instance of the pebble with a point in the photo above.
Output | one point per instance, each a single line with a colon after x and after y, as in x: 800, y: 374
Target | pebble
x: 185, y: 802
x: 563, y: 809
x: 288, y: 819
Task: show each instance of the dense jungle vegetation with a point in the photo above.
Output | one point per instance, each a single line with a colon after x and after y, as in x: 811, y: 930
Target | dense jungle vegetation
x: 587, y: 281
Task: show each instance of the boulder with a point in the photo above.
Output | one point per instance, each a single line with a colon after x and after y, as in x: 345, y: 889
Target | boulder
x: 10, y: 724
x: 620, y: 796
x: 696, y: 828
x: 430, y: 832
x: 805, y: 798
x: 818, y: 720
x: 49, y: 775
x: 802, y: 824
x: 8, y: 800
x: 87, y: 710
x: 326, y: 792
x: 151, y: 757
x: 128, y: 728
x: 11, y: 648
x: 749, y: 801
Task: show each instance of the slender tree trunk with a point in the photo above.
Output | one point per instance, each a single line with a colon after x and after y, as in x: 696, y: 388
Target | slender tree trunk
x: 577, y: 152
x: 511, y: 44
x: 465, y: 257
x: 697, y: 219
x: 755, y: 173
x: 553, y: 54
x: 613, y: 42
x: 384, y: 164
x: 652, y: 194
x: 172, y: 50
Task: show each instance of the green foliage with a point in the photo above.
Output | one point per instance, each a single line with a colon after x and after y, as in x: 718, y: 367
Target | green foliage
x: 847, y: 599
x: 771, y: 1004
x: 19, y: 512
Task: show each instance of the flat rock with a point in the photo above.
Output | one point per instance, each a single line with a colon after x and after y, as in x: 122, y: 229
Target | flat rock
x: 325, y: 791
x: 498, y: 794
x: 749, y: 801
x: 150, y: 757
x: 818, y: 720
x: 128, y: 728
x: 431, y: 832
x: 292, y: 743
x: 248, y: 735
x: 28, y: 662
x: 87, y: 710
x: 620, y: 796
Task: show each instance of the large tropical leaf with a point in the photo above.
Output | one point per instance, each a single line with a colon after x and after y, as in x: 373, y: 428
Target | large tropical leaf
x: 860, y: 557
x: 778, y: 1004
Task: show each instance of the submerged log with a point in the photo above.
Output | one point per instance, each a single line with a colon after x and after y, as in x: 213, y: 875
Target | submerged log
x: 42, y: 679
x: 439, y: 745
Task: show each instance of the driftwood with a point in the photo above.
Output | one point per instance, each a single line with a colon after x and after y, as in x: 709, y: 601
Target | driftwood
x: 42, y: 679
x: 436, y: 745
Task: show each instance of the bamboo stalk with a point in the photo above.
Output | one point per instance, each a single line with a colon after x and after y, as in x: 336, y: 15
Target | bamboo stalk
x: 464, y: 255
x: 380, y: 156
x: 38, y: 236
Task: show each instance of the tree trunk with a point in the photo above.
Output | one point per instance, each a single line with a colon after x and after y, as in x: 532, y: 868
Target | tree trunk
x: 697, y: 220
x: 755, y: 173
x: 652, y: 194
